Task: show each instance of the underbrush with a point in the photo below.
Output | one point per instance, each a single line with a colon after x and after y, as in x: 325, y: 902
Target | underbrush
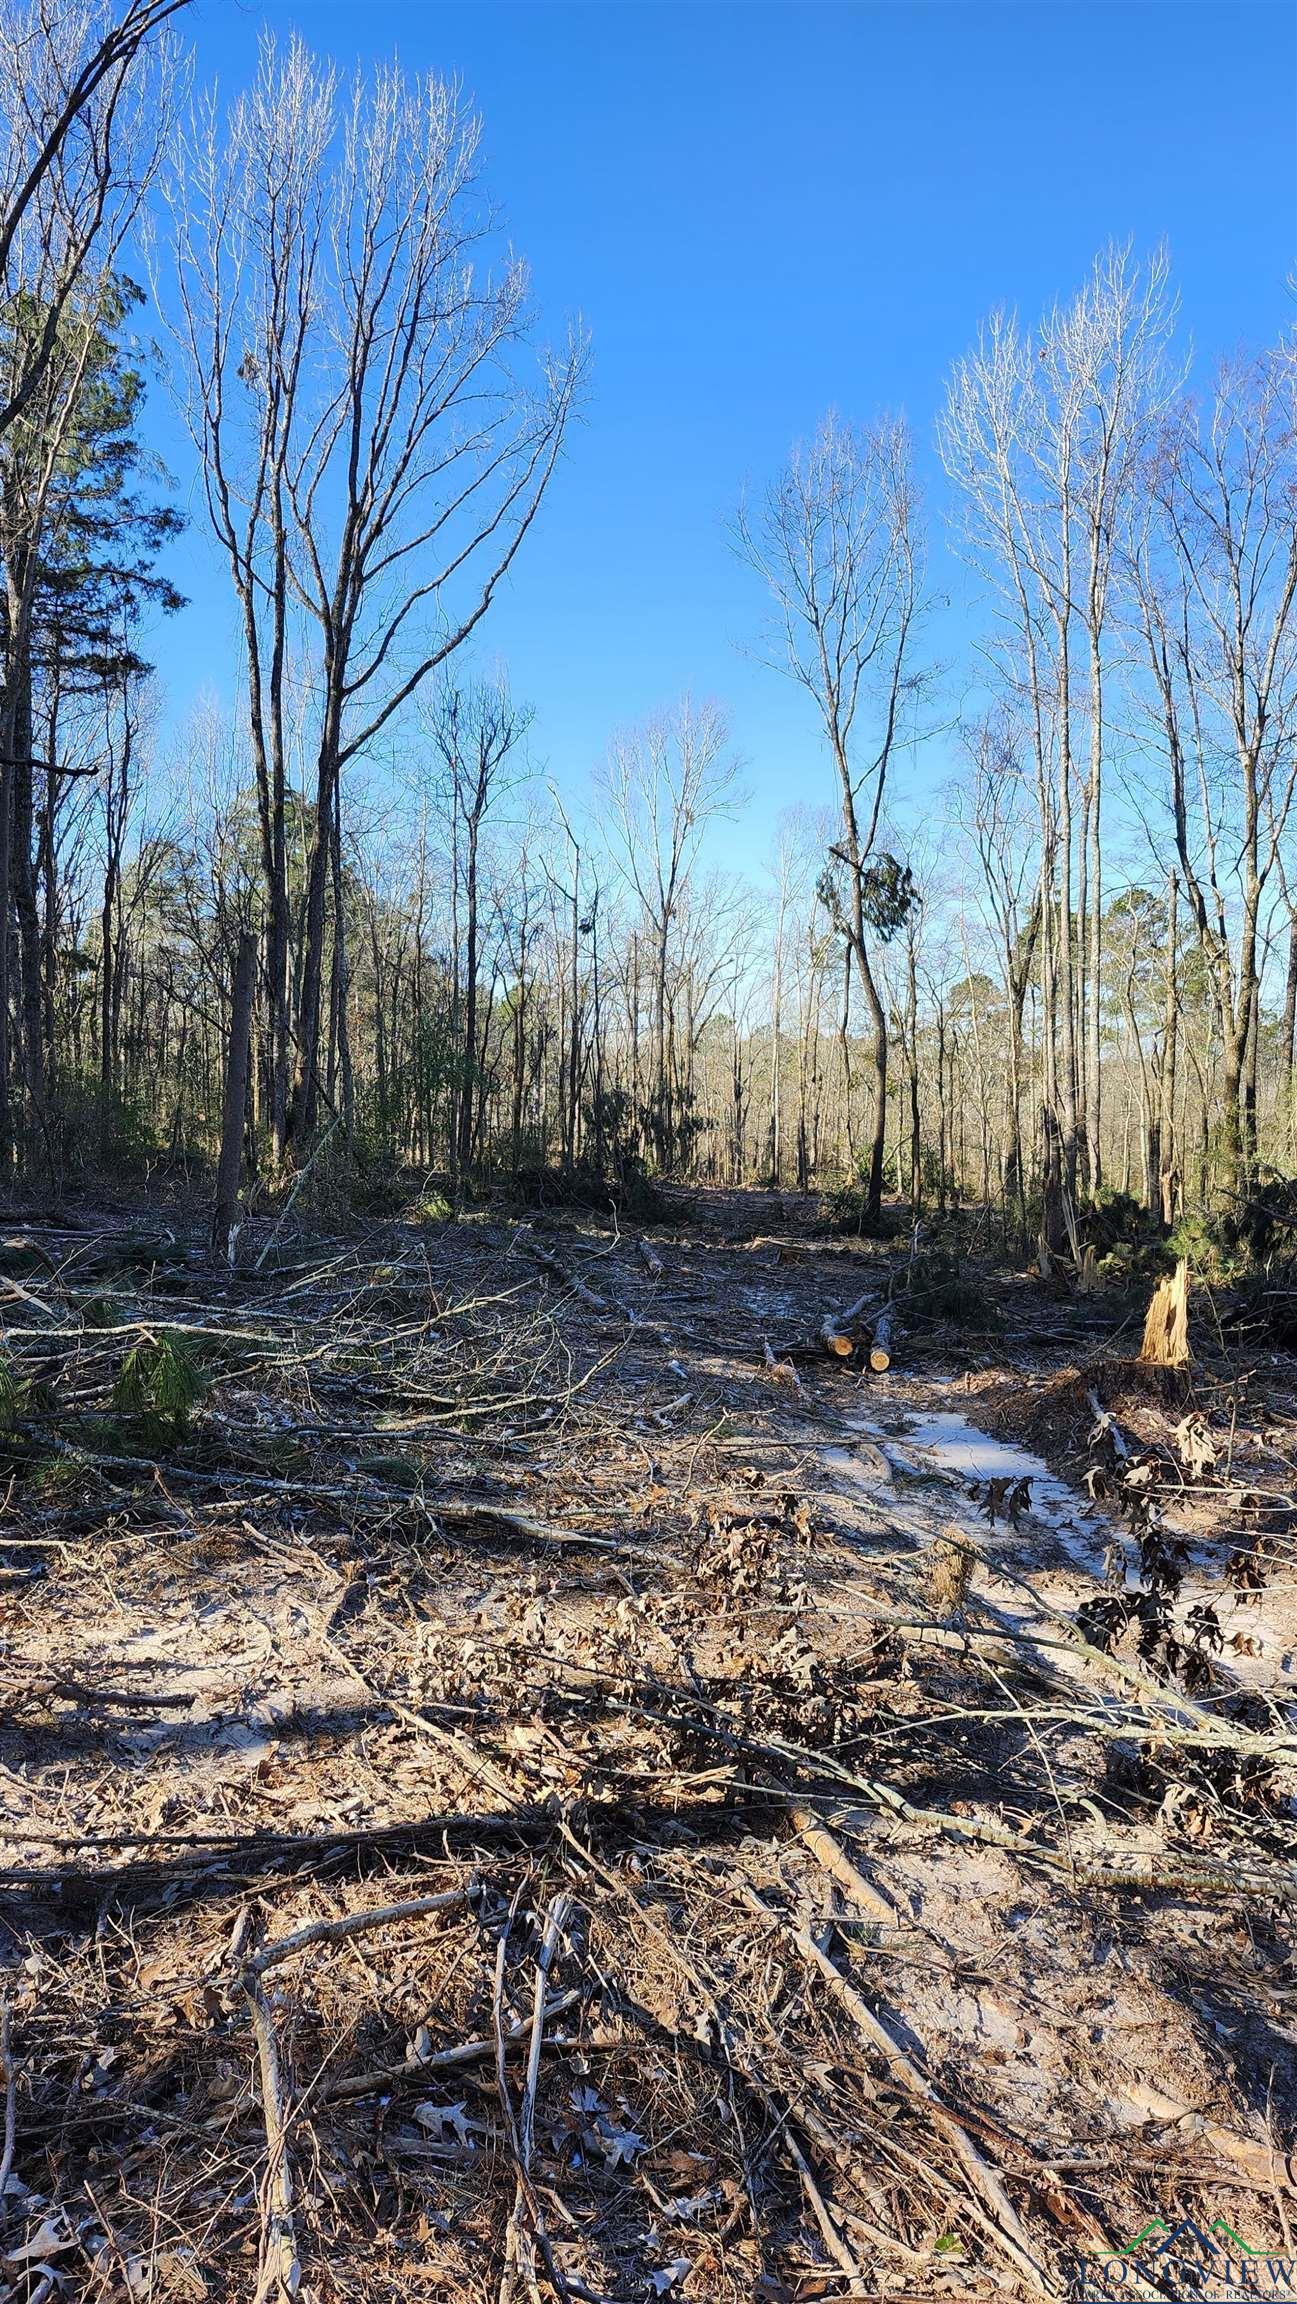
x: 845, y: 1211
x: 548, y: 1185
x: 940, y: 1284
x: 117, y: 1134
x: 1126, y: 1242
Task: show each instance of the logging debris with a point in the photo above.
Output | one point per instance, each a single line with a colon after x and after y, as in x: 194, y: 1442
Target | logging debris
x: 494, y: 1798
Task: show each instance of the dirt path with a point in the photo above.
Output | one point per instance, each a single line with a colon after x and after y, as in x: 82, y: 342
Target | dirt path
x: 495, y: 1567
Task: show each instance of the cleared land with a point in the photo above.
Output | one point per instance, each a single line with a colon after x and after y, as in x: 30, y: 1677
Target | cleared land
x: 507, y: 1791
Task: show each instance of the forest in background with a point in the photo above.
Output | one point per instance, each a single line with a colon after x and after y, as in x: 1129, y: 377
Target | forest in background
x: 1074, y: 973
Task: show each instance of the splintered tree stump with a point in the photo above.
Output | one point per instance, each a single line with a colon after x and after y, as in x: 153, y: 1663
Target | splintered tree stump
x: 1166, y: 1328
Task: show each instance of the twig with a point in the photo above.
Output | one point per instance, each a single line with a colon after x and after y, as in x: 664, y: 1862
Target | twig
x: 519, y: 2244
x: 464, y: 2052
x: 832, y: 2238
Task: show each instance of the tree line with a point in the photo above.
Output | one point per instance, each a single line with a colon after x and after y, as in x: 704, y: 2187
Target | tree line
x: 1037, y: 942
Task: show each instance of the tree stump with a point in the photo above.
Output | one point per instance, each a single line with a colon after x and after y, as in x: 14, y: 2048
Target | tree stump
x: 1166, y: 1327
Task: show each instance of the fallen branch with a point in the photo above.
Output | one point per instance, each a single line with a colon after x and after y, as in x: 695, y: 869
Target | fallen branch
x: 1261, y: 2163
x: 239, y: 1854
x: 280, y: 2264
x: 352, y: 1924
x: 526, y: 2228
x: 300, y: 1179
x: 11, y: 2119
x: 840, y: 1332
x: 999, y: 2213
x: 567, y: 1280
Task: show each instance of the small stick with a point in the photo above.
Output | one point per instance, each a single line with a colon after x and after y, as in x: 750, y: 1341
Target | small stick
x: 352, y: 1924
x: 281, y: 2268
x: 555, y: 1922
x: 518, y: 2242
x: 385, y: 2076
x: 830, y: 1853
x: 832, y: 2238
x: 11, y: 2120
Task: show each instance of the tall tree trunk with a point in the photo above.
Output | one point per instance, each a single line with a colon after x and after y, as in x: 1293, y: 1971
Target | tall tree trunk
x: 304, y: 1109
x: 1168, y: 1177
x: 341, y: 971
x: 23, y: 876
x: 1288, y: 1038
x: 1093, y: 1085
x: 236, y: 1097
x: 468, y: 1052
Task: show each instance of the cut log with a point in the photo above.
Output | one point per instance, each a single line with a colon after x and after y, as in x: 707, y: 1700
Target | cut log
x: 650, y: 1259
x: 568, y: 1280
x: 880, y: 1351
x: 1166, y: 1328
x: 840, y: 1331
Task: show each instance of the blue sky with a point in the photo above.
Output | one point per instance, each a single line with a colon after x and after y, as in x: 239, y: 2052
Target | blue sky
x: 762, y: 210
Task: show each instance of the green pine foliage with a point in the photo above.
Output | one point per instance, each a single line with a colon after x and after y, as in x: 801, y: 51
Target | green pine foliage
x: 159, y: 1385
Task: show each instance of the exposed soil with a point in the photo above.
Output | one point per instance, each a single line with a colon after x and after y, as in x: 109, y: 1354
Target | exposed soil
x: 820, y: 1910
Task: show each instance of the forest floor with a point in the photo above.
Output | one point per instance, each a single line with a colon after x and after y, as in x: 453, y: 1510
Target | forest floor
x: 510, y: 1793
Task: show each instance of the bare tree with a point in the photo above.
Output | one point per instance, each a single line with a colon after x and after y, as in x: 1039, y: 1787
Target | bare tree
x: 1001, y: 814
x: 1217, y: 579
x: 394, y: 455
x: 475, y: 730
x: 664, y: 785
x: 246, y: 199
x: 1044, y: 434
x: 70, y: 101
x: 836, y: 539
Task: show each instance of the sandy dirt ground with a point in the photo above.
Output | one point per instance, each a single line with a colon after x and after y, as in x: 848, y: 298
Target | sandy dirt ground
x: 523, y: 1775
